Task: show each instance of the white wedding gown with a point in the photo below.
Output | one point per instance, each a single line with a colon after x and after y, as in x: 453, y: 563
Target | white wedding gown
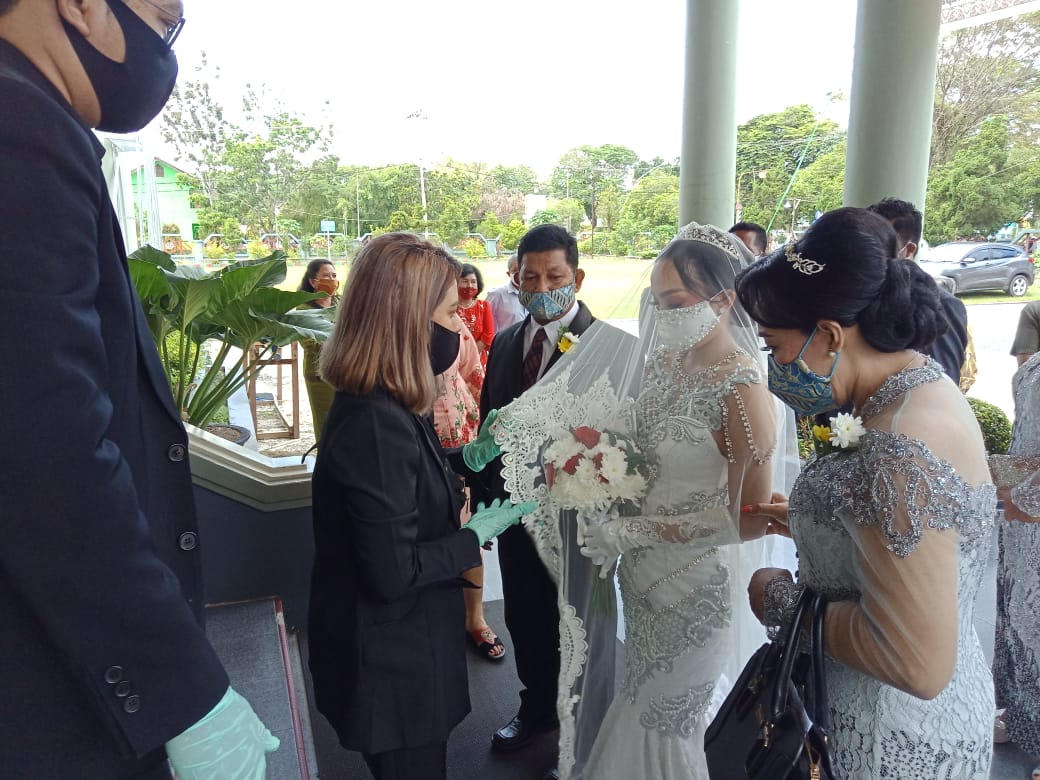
x: 679, y: 598
x: 687, y: 627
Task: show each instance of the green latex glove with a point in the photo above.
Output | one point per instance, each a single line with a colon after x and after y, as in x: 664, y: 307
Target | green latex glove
x: 489, y: 522
x: 229, y: 742
x: 482, y: 450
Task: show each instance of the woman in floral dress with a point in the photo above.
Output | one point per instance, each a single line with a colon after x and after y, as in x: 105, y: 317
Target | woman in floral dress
x: 456, y: 418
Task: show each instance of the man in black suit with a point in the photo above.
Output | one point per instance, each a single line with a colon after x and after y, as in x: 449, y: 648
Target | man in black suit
x: 953, y: 350
x: 549, y: 281
x: 106, y: 666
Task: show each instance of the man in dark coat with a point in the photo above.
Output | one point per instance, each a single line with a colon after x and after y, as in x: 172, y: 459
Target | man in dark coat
x: 952, y: 348
x: 104, y: 656
x: 549, y: 280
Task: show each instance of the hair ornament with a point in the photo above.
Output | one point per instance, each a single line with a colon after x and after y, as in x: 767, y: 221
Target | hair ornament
x: 709, y: 234
x: 802, y: 265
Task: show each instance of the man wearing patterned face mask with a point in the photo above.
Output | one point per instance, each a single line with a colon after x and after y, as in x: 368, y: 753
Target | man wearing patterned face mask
x: 108, y: 669
x: 549, y: 280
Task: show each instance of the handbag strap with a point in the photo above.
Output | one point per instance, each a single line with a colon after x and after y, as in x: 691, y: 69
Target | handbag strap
x: 820, y: 709
x: 789, y: 652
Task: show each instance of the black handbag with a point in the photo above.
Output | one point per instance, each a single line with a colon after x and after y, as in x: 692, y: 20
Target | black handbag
x: 775, y: 723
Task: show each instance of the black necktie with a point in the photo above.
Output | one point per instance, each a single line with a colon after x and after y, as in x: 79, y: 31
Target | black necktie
x: 533, y: 359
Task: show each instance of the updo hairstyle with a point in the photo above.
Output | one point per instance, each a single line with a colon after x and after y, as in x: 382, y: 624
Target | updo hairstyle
x: 845, y: 269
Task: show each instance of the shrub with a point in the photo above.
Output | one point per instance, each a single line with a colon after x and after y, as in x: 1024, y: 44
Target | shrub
x: 995, y: 425
x: 473, y: 247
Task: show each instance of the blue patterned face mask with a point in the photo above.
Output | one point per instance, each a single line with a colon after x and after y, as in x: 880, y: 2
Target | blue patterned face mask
x: 547, y: 306
x: 800, y: 387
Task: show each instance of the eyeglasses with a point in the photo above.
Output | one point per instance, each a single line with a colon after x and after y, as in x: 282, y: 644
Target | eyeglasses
x: 173, y: 29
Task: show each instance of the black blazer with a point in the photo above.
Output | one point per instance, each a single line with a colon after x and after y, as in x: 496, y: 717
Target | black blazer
x: 948, y: 349
x: 103, y: 658
x: 502, y: 384
x: 387, y: 620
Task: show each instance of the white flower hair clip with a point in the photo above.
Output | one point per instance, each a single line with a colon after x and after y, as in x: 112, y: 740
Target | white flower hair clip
x: 802, y: 264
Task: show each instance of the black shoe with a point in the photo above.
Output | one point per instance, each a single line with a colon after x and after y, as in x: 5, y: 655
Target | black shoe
x: 552, y: 774
x: 518, y: 733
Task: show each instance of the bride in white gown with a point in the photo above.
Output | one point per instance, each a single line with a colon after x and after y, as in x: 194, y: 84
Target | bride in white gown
x: 691, y: 393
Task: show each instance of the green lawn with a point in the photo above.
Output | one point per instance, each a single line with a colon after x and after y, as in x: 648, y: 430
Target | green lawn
x: 611, y: 288
x: 971, y: 298
x: 612, y: 284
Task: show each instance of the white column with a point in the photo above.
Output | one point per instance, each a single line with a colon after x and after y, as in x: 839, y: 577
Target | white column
x: 708, y: 162
x: 893, y: 91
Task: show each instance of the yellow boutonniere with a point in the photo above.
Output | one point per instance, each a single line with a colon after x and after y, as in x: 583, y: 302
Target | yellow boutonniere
x: 567, y: 340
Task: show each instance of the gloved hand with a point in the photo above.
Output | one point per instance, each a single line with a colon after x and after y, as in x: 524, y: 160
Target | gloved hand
x: 489, y: 522
x: 604, y: 542
x: 482, y: 450
x: 229, y: 742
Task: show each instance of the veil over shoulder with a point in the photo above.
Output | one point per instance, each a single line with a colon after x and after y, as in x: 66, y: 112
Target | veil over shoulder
x: 656, y: 436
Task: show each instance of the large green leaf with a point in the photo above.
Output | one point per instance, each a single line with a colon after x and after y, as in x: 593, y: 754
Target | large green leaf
x: 245, y: 276
x: 197, y: 296
x: 269, y: 314
x: 149, y: 254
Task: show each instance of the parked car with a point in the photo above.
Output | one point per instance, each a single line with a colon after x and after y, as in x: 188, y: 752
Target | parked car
x: 963, y: 266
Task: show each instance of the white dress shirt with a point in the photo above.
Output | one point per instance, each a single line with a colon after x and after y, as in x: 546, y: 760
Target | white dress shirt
x: 552, y: 334
x: 505, y: 306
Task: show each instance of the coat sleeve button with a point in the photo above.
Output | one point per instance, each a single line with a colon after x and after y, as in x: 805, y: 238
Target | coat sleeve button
x: 188, y: 541
x: 132, y: 704
x: 113, y: 674
x: 123, y: 689
x: 176, y: 452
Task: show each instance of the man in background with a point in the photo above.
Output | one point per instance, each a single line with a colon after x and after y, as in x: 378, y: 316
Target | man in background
x: 107, y: 669
x: 504, y: 300
x: 953, y: 350
x: 753, y: 235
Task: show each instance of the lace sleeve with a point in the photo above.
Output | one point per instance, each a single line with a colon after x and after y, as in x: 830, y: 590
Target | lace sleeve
x: 707, y: 527
x: 1026, y: 494
x: 904, y: 518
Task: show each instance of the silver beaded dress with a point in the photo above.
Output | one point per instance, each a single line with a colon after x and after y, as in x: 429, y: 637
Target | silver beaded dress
x: 679, y: 598
x: 895, y: 532
x: 1016, y: 657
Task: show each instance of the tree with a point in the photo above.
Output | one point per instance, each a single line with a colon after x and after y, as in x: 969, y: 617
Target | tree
x: 970, y: 194
x: 513, y: 233
x: 983, y: 71
x: 193, y: 124
x: 587, y: 171
x: 770, y: 149
x: 820, y: 186
x: 571, y: 213
x: 544, y: 217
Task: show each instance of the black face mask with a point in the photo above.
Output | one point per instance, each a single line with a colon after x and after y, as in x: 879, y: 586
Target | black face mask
x: 444, y: 348
x: 131, y: 93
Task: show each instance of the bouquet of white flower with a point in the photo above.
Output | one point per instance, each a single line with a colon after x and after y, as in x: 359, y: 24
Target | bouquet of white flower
x: 589, y: 470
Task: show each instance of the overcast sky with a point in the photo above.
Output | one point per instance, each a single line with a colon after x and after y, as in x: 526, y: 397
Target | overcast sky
x: 510, y: 83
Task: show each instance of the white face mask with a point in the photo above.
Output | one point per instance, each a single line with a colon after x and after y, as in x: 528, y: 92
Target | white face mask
x: 679, y: 329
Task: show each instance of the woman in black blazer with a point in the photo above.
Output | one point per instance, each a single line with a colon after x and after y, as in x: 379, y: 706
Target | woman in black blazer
x: 387, y: 621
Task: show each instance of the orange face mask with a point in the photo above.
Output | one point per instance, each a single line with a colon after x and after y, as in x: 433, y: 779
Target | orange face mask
x: 330, y: 286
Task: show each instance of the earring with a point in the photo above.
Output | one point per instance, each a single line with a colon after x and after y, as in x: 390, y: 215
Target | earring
x: 831, y: 353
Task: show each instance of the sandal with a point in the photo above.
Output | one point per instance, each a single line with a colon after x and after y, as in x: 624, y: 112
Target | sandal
x: 486, y: 643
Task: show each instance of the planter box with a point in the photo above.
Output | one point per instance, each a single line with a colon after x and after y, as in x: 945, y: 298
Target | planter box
x: 254, y: 524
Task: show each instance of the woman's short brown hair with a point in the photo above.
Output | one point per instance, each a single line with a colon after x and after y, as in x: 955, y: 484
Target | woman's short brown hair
x: 382, y: 333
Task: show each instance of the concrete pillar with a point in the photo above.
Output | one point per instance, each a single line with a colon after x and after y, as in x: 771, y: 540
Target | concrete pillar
x: 893, y: 90
x: 708, y: 163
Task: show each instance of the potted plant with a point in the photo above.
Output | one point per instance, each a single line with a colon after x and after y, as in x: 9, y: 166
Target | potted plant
x: 237, y: 306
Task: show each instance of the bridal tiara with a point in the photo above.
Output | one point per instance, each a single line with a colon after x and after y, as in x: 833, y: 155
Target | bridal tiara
x: 709, y: 234
x: 802, y: 264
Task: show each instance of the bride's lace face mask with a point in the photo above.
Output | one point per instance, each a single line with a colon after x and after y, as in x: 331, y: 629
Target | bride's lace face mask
x: 680, y: 329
